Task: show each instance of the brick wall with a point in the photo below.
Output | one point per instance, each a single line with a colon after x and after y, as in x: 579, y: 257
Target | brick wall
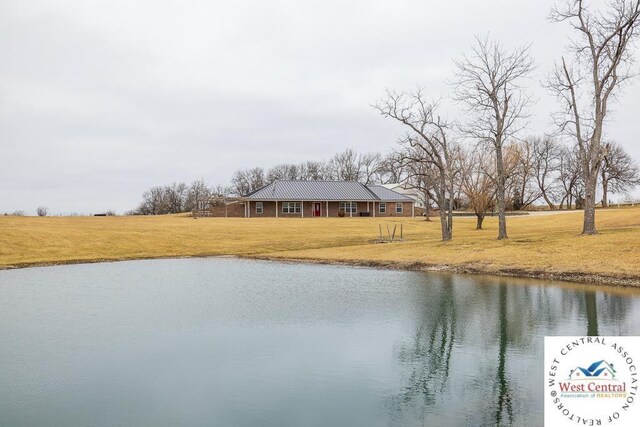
x: 269, y: 210
x: 391, y: 210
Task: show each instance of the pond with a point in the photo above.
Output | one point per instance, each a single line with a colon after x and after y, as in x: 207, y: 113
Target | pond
x: 230, y: 342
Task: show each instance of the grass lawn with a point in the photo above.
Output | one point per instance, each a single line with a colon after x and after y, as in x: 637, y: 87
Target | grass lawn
x: 544, y: 246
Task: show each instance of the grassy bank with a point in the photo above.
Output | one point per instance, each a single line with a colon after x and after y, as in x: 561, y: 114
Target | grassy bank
x: 539, y: 246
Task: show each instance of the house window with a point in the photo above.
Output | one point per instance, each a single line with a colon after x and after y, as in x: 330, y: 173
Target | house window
x: 399, y: 207
x: 291, y: 207
x: 348, y: 207
x: 259, y: 208
x: 382, y: 208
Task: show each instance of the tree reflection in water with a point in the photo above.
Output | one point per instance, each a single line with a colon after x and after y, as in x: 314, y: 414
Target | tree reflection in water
x: 504, y: 398
x: 477, y: 345
x: 429, y: 355
x: 591, y: 309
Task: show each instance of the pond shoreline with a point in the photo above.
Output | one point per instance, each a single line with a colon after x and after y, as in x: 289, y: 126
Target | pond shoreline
x: 470, y: 269
x: 573, y: 277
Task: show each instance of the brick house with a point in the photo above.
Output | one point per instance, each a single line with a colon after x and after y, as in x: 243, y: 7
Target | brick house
x: 325, y: 199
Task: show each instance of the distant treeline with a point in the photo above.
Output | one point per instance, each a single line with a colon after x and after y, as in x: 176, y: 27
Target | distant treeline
x: 345, y: 166
x: 540, y: 170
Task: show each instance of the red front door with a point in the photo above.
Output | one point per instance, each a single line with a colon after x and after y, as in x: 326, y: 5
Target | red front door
x: 316, y: 209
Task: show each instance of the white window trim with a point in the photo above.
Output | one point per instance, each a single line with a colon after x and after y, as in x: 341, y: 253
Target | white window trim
x: 259, y: 208
x: 291, y: 207
x: 382, y: 207
x: 399, y: 207
x: 352, y: 207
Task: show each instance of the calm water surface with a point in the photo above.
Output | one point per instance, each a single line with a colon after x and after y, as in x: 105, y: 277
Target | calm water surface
x: 228, y: 342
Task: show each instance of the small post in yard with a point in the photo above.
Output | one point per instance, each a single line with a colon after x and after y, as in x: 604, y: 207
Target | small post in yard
x: 401, y: 237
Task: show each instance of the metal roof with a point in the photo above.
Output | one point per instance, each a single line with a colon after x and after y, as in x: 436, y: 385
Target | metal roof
x: 411, y: 192
x: 387, y: 194
x: 323, y: 191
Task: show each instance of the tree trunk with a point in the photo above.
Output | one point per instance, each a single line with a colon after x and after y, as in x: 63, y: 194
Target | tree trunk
x: 444, y: 224
x: 549, y: 202
x: 426, y: 206
x: 450, y: 213
x: 445, y: 211
x: 502, y: 217
x: 479, y: 220
x: 589, y: 226
x: 605, y: 185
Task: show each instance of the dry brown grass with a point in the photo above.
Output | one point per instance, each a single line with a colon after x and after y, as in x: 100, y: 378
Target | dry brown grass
x: 548, y: 244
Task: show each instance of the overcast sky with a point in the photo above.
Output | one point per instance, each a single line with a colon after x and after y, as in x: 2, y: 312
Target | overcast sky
x: 99, y: 100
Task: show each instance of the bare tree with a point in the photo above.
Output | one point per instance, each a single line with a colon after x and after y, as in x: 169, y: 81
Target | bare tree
x: 345, y: 166
x: 175, y: 195
x: 569, y: 176
x: 514, y: 173
x: 391, y: 169
x: 619, y: 173
x: 586, y: 84
x: 524, y: 190
x: 283, y: 172
x: 312, y: 171
x: 349, y: 165
x: 326, y: 170
x: 487, y: 82
x: 416, y: 176
x: 370, y: 166
x: 221, y: 191
x: 247, y: 180
x: 152, y: 202
x: 198, y: 195
x: 42, y: 211
x: 220, y: 197
x: 477, y: 183
x: 161, y: 200
x: 420, y: 177
x: 546, y: 165
x: 427, y: 144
